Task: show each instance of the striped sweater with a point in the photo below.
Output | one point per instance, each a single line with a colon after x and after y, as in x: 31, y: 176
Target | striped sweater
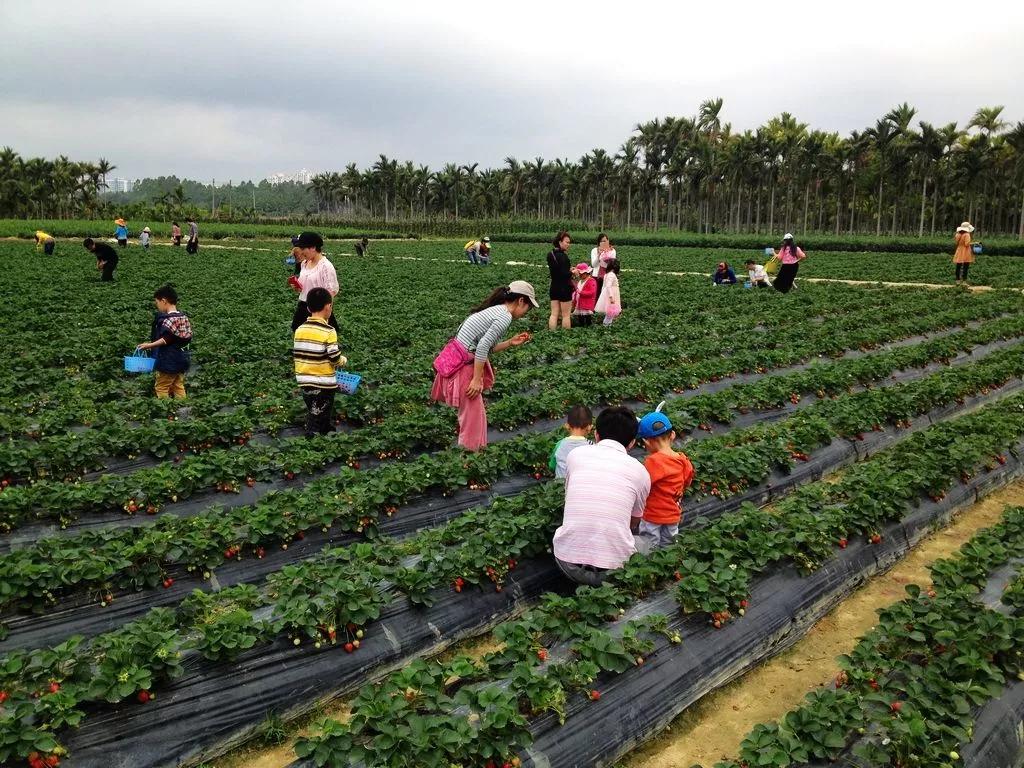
x: 482, y: 330
x: 316, y: 354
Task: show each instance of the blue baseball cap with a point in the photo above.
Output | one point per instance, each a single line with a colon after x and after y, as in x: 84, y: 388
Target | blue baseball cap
x: 654, y: 425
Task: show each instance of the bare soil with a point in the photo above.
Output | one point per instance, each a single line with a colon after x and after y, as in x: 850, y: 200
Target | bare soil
x: 714, y: 727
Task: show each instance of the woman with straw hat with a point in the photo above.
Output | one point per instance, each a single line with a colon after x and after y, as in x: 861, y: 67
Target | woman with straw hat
x: 964, y: 256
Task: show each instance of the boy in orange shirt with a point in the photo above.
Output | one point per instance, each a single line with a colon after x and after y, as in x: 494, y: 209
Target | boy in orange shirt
x: 671, y: 474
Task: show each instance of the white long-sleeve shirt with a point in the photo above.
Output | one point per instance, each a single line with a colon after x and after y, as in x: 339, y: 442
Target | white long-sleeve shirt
x: 595, y: 260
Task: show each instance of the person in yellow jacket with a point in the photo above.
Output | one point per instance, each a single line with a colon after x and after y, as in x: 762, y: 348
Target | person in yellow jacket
x: 478, y: 251
x: 964, y: 256
x: 45, y: 242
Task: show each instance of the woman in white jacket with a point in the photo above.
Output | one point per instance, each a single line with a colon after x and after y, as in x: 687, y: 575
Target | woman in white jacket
x: 602, y: 253
x: 609, y: 303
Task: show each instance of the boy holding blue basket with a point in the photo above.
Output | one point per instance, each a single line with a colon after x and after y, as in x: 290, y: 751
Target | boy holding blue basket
x: 170, y: 337
x: 317, y: 358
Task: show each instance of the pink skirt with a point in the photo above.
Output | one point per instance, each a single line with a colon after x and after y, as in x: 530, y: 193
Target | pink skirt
x: 451, y: 390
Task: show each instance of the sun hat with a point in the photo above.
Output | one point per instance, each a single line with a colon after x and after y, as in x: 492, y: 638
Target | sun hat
x: 523, y: 288
x: 486, y: 239
x: 788, y: 236
x: 310, y: 240
x: 145, y: 229
x: 654, y: 424
x: 583, y: 267
x: 965, y: 227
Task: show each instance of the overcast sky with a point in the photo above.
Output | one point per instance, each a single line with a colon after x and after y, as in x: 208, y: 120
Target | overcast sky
x: 238, y: 89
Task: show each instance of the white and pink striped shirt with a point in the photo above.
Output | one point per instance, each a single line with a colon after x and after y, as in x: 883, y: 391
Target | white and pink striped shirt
x: 604, y: 488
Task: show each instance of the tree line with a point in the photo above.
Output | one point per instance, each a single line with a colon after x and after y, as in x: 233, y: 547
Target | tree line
x: 895, y: 177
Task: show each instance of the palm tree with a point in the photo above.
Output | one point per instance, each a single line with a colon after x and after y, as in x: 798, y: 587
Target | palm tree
x: 627, y: 170
x: 987, y: 120
x: 104, y: 167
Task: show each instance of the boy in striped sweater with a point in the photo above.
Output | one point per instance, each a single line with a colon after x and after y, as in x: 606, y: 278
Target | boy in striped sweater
x: 316, y: 354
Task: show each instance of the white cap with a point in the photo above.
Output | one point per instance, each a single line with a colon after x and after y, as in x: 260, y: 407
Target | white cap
x: 523, y: 288
x: 788, y: 236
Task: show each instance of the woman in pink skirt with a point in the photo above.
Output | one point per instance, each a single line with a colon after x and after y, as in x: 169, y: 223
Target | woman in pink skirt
x: 463, y: 367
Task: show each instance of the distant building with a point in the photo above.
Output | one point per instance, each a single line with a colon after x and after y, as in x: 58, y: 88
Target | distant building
x: 303, y: 176
x: 120, y: 185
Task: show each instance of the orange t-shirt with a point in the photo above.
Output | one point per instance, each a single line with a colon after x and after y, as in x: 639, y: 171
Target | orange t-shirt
x: 671, y: 475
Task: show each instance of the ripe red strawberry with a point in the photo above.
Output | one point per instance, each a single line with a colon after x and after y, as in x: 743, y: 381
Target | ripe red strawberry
x: 842, y: 543
x: 289, y: 475
x: 677, y: 576
x: 144, y: 696
x: 542, y: 654
x: 349, y: 647
x: 168, y: 582
x: 876, y: 538
x: 874, y: 684
x: 51, y: 761
x: 896, y: 706
x: 54, y: 686
x: 250, y: 481
x: 595, y: 695
x: 3, y: 696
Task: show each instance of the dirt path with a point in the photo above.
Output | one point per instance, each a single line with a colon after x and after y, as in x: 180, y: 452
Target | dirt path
x: 713, y: 729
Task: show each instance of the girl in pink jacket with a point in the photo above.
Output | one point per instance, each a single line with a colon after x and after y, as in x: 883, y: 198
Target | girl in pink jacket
x: 585, y: 296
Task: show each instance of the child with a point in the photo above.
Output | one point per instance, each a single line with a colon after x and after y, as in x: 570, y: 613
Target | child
x: 610, y: 304
x: 671, y: 474
x: 144, y: 238
x: 585, y: 297
x: 316, y: 354
x: 175, y: 233
x: 578, y: 422
x: 757, y: 275
x: 171, y: 335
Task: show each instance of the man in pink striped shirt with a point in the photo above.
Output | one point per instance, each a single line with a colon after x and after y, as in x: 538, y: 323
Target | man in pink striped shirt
x: 605, y: 493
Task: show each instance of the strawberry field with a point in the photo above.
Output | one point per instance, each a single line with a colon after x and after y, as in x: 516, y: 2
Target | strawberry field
x: 175, y: 575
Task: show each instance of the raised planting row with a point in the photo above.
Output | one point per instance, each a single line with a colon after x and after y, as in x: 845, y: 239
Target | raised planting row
x: 343, y: 588
x: 150, y: 488
x: 330, y: 599
x: 39, y: 576
x: 908, y: 693
x: 690, y: 359
x: 585, y: 677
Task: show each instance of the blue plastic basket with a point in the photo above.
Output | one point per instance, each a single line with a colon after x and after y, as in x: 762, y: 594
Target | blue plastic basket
x: 769, y: 251
x: 976, y: 249
x: 348, y: 382
x: 290, y: 261
x: 139, y: 362
x: 747, y: 284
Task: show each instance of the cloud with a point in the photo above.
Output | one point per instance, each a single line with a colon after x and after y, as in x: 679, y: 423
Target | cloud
x: 238, y: 89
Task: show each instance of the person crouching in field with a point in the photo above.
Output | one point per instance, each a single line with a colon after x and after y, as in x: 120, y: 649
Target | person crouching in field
x: 45, y: 242
x: 579, y: 422
x: 606, y: 490
x: 170, y: 337
x: 671, y: 474
x: 106, y: 258
x: 317, y: 357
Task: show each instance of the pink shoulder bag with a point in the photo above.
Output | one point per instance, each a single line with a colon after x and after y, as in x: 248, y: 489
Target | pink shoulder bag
x: 450, y: 359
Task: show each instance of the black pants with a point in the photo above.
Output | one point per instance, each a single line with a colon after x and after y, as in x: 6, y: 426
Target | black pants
x: 48, y: 247
x: 177, y: 239
x: 302, y: 315
x: 786, y: 276
x: 108, y: 271
x: 192, y: 247
x: 319, y: 411
x: 961, y: 271
x: 585, y: 320
x: 123, y: 243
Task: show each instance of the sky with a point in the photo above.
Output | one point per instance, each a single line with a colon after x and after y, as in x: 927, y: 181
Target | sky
x: 240, y: 89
